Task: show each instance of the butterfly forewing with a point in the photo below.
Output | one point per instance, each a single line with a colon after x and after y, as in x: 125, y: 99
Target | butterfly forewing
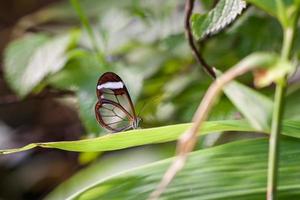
x: 114, y: 109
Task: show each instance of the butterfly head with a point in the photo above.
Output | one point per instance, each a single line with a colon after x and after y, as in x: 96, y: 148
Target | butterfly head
x: 136, y: 122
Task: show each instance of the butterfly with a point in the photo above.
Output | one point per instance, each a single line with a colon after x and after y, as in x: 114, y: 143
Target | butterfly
x: 114, y: 109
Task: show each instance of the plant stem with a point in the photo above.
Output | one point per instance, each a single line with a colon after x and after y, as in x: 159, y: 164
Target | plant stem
x: 274, y: 141
x: 287, y: 42
x: 274, y: 146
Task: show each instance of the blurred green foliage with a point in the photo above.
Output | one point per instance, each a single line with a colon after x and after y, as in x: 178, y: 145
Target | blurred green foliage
x: 144, y: 42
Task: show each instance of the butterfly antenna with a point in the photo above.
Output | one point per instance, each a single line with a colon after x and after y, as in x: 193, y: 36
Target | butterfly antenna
x: 142, y: 108
x: 145, y: 104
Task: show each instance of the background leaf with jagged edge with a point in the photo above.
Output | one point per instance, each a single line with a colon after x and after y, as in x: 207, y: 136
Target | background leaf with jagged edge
x: 224, y: 13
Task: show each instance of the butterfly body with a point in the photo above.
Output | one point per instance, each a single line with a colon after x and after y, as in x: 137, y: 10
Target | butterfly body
x: 114, y: 109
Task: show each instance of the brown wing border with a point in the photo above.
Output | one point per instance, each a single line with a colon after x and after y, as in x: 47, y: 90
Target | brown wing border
x: 112, y: 77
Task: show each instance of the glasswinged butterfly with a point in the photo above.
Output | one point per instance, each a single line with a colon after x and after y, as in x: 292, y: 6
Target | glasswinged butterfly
x: 114, y: 109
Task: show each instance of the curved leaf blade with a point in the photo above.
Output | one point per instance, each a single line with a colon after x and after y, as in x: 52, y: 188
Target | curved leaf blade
x: 140, y: 137
x: 133, y: 138
x: 256, y: 107
x: 216, y: 173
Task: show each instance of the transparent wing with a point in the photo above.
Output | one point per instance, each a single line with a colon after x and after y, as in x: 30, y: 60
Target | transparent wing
x: 112, y: 116
x: 122, y: 99
x: 114, y: 109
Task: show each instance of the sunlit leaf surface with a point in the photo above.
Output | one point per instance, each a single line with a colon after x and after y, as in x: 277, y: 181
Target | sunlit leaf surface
x: 140, y: 137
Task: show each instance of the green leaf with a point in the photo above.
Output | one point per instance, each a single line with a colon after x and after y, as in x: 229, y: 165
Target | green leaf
x: 292, y: 108
x: 29, y: 60
x: 140, y: 137
x: 224, y: 13
x: 267, y: 5
x: 255, y: 107
x: 216, y: 173
x: 87, y: 100
x: 273, y: 8
x: 291, y: 128
x: 17, y: 56
x: 81, y: 74
x: 104, y: 167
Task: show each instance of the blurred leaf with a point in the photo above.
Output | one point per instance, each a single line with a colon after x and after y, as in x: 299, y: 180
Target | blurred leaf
x: 88, y: 157
x: 224, y: 13
x: 81, y: 69
x: 87, y: 100
x: 81, y: 74
x: 29, y: 60
x: 162, y: 134
x: 221, y: 172
x: 17, y: 56
x: 251, y: 34
x: 256, y: 107
x: 62, y: 11
x: 291, y: 128
x: 247, y: 39
x: 136, y: 137
x: 269, y: 6
x: 292, y: 108
x: 108, y: 165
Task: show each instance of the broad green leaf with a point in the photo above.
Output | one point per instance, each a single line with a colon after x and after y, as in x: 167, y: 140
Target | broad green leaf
x: 232, y: 171
x: 255, y: 107
x: 224, y: 13
x: 138, y: 137
x: 17, y: 56
x: 162, y: 134
x: 29, y: 60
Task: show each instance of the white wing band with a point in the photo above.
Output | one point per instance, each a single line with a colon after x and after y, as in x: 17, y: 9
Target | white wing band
x: 111, y: 85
